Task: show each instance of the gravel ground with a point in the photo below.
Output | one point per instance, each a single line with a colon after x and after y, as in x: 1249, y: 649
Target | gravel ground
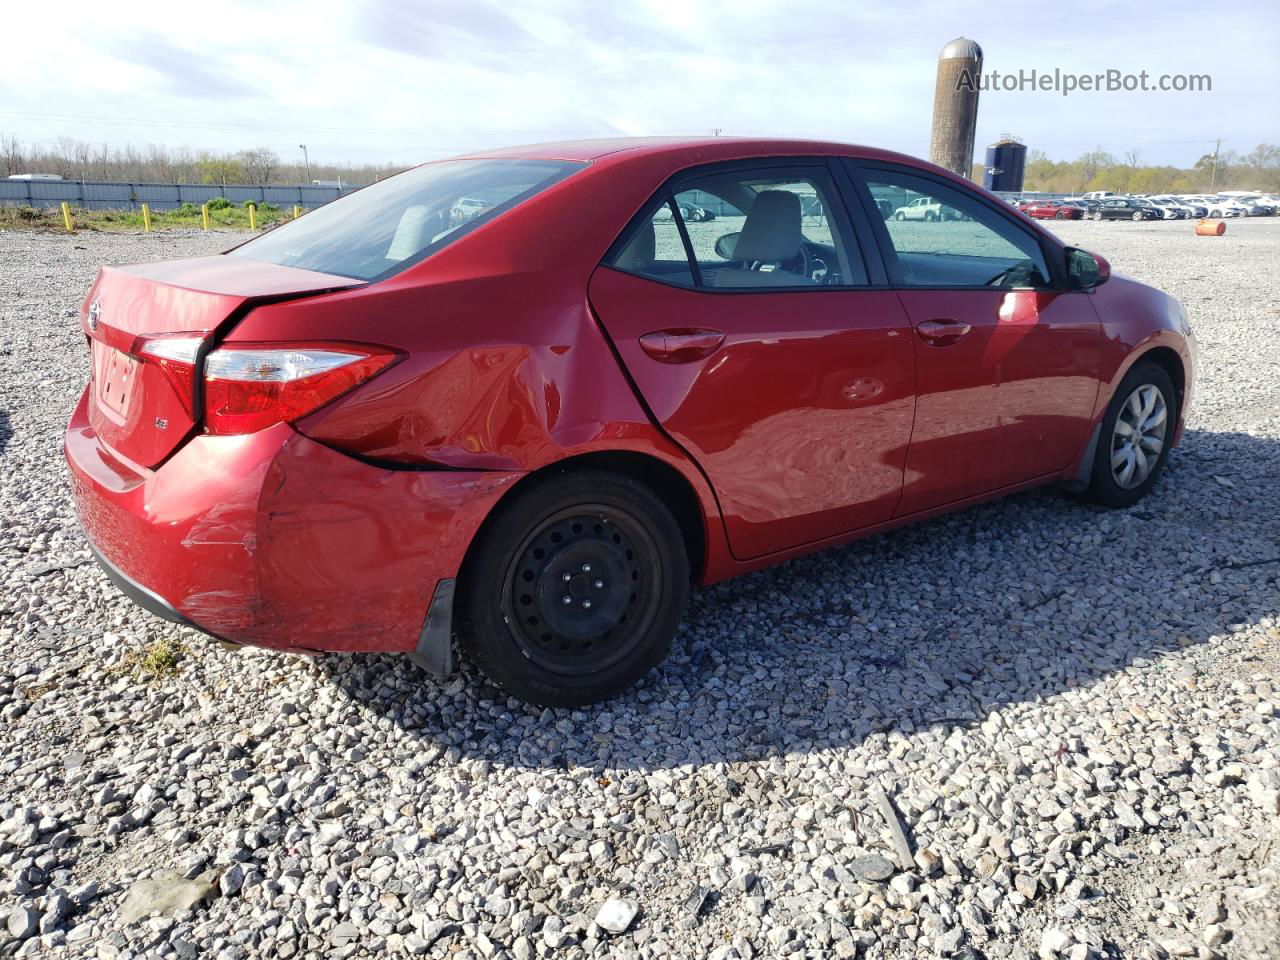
x: 1071, y: 713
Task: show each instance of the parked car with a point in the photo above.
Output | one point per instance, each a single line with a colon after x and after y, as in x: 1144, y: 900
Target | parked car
x: 1256, y: 206
x: 466, y: 208
x: 1122, y: 208
x: 1224, y: 207
x: 1052, y: 210
x: 1163, y: 211
x: 1178, y: 203
x: 921, y: 208
x: 538, y: 430
x: 696, y: 214
x: 1093, y: 196
x: 690, y: 212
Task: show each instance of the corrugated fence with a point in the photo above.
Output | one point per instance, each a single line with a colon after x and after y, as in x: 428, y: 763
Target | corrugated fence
x: 104, y: 195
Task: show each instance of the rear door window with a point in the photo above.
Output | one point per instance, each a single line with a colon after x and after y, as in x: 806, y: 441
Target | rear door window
x: 768, y: 228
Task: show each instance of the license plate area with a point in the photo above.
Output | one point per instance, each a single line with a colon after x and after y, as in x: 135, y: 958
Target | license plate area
x: 113, y: 380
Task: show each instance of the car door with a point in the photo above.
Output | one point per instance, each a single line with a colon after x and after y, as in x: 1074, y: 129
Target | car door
x: 1006, y: 358
x: 759, y: 343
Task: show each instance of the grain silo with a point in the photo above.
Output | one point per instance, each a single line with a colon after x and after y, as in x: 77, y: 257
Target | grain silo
x: 1006, y: 161
x: 955, y: 106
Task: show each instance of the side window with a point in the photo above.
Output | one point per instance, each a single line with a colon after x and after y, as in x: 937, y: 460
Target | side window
x: 655, y: 249
x: 943, y: 238
x: 772, y: 228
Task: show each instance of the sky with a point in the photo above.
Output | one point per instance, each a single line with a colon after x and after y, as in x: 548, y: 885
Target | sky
x: 411, y: 80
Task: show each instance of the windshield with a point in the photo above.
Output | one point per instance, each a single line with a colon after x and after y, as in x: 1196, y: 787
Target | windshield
x: 399, y: 221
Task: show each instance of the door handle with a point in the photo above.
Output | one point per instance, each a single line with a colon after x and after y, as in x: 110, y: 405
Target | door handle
x: 942, y: 332
x: 681, y: 344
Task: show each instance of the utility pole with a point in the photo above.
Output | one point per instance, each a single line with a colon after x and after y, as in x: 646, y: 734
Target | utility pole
x: 306, y: 161
x: 1213, y: 177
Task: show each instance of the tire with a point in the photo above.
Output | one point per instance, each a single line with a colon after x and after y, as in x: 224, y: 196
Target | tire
x: 930, y: 216
x: 899, y: 216
x: 1059, y: 215
x: 1137, y: 216
x: 1109, y: 486
x: 594, y: 537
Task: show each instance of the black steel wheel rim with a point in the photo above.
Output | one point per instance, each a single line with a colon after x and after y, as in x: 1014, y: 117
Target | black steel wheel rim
x: 579, y: 594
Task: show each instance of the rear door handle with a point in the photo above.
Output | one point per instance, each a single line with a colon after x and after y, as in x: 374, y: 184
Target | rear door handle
x: 681, y: 344
x: 942, y: 332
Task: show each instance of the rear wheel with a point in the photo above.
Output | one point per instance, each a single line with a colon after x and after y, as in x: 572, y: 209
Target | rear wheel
x: 575, y: 589
x: 1134, y: 441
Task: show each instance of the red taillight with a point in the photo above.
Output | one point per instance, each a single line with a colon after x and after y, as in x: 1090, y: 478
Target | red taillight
x: 176, y: 357
x: 251, y: 386
x: 254, y: 385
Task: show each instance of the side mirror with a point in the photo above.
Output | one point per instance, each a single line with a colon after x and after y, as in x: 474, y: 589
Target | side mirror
x: 726, y: 245
x: 1086, y: 270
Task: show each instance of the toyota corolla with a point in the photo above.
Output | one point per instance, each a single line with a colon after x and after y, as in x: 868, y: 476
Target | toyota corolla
x: 515, y: 405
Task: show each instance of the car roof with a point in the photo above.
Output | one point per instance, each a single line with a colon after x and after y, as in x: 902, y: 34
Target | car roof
x: 683, y: 151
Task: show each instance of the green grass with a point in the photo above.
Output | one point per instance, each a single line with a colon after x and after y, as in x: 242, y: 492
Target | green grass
x: 226, y: 218
x: 159, y: 658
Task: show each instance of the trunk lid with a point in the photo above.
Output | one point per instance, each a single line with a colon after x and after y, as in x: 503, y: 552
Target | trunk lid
x: 143, y: 409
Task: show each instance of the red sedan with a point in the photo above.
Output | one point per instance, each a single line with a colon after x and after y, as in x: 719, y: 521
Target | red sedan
x: 1051, y: 210
x: 520, y: 400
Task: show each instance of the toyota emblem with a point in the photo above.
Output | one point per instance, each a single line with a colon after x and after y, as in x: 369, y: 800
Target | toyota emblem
x: 95, y: 311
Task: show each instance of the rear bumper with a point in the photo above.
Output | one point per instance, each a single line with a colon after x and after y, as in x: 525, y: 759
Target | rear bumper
x: 275, y: 540
x: 153, y: 603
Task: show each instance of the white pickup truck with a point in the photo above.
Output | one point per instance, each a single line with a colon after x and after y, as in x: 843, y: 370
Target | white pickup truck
x: 923, y: 208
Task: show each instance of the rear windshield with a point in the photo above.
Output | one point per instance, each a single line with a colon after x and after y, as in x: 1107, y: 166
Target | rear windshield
x: 389, y: 225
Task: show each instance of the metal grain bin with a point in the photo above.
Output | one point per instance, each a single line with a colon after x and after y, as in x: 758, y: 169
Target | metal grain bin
x: 1005, y: 165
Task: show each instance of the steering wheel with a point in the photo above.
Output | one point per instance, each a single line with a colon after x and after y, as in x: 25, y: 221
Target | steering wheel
x: 806, y: 261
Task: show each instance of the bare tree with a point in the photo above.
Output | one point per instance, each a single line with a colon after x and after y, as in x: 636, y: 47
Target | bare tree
x: 259, y: 163
x: 11, y: 154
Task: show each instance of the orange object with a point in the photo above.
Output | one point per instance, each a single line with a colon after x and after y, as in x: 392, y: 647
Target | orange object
x: 1211, y: 228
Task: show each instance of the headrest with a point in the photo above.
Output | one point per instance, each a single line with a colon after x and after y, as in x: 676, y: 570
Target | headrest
x: 771, y: 232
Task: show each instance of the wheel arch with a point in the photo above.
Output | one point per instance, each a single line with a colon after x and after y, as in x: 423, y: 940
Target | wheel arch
x: 1167, y: 358
x: 658, y: 475
x: 1076, y: 477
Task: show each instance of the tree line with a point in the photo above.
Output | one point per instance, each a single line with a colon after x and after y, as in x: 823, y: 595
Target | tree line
x: 77, y: 160
x: 1259, y: 169
x: 72, y: 159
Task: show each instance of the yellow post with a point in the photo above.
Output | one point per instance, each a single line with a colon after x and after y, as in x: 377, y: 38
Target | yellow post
x: 146, y: 218
x: 297, y: 211
x: 66, y: 216
x: 253, y: 216
x: 204, y: 215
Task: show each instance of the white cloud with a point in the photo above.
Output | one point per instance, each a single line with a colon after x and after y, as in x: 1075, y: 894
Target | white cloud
x: 401, y: 80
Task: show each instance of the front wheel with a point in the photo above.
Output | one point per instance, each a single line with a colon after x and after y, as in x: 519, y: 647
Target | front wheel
x: 574, y: 589
x: 1134, y: 441
x: 1059, y: 215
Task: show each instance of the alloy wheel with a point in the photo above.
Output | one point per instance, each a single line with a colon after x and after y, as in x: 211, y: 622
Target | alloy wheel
x: 1139, y: 436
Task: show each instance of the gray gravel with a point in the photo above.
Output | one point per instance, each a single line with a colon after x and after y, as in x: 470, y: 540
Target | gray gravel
x: 1071, y: 712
